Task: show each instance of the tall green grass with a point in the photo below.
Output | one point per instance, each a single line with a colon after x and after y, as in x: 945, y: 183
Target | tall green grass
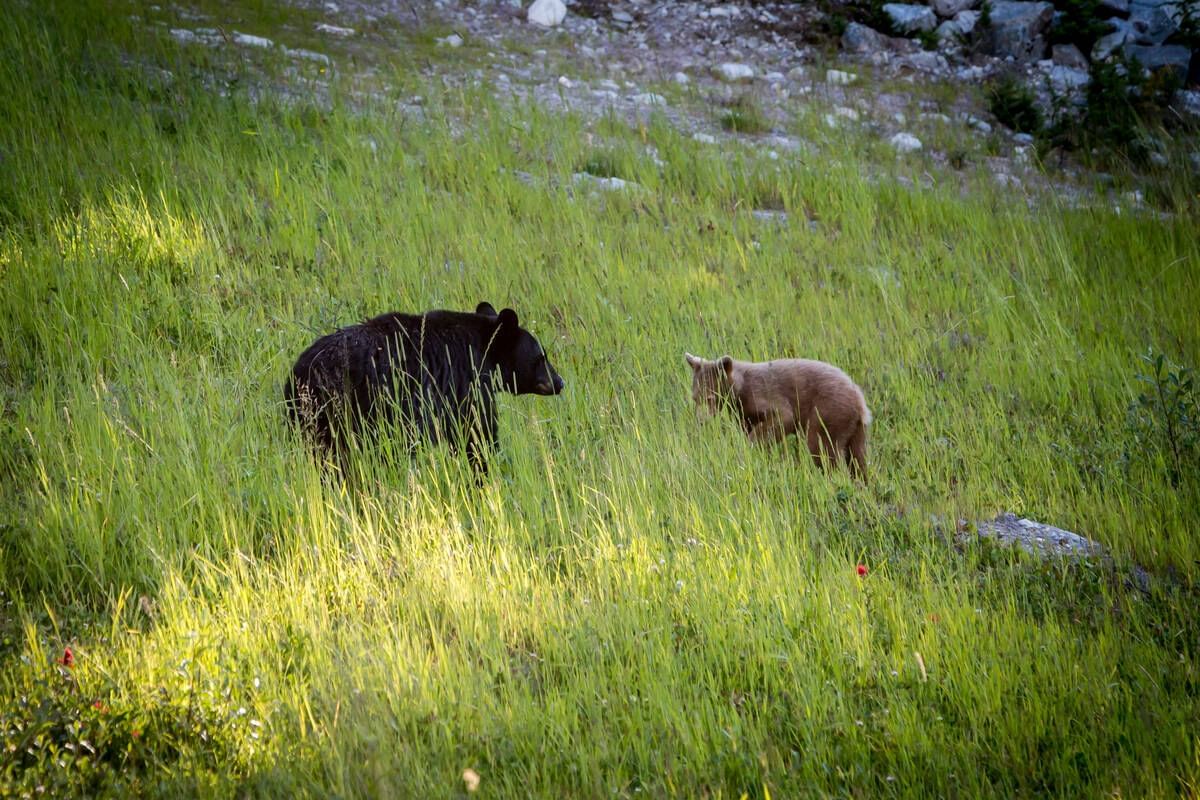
x: 634, y: 602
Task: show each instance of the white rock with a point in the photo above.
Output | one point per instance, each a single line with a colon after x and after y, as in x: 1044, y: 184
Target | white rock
x: 978, y: 124
x: 613, y: 184
x: 733, y: 72
x: 681, y: 78
x: 547, y: 13
x: 1023, y: 138
x: 334, y: 30
x: 184, y: 36
x: 846, y: 113
x: 649, y: 99
x: 453, y: 40
x: 773, y: 77
x: 565, y: 82
x: 308, y: 55
x: 704, y: 138
x: 836, y: 77
x: 905, y: 142
x: 248, y: 40
x: 622, y: 16
x: 796, y: 73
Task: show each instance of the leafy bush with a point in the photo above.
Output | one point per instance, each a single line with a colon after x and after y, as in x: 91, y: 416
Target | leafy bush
x: 1078, y: 22
x: 1165, y: 418
x: 1011, y: 102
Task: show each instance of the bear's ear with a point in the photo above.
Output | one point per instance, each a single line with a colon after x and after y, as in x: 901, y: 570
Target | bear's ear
x: 508, y: 320
x: 693, y: 362
x: 486, y: 309
x: 727, y: 365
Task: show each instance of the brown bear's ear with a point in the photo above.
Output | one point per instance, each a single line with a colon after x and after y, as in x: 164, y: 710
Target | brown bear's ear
x: 727, y: 365
x: 693, y: 362
x: 485, y: 308
x: 508, y: 319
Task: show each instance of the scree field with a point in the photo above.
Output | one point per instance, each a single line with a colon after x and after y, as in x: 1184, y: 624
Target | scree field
x: 635, y: 601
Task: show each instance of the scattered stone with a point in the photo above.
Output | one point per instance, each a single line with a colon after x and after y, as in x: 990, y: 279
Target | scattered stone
x: 1068, y: 81
x: 905, y: 143
x: 924, y: 61
x: 770, y: 215
x: 952, y: 8
x: 773, y: 77
x: 547, y: 13
x: 453, y: 40
x: 734, y: 73
x: 1110, y: 43
x: 1175, y: 57
x: 978, y: 124
x: 681, y: 78
x: 623, y: 17
x: 1108, y: 8
x: 1068, y: 55
x: 308, y: 55
x: 1023, y: 138
x: 1017, y: 27
x: 1188, y: 102
x: 704, y: 138
x: 649, y: 99
x: 835, y: 77
x: 796, y: 73
x: 334, y: 30
x: 184, y: 36
x: 612, y: 184
x: 910, y: 18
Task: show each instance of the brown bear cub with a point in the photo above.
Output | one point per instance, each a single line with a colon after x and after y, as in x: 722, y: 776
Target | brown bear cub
x: 789, y: 395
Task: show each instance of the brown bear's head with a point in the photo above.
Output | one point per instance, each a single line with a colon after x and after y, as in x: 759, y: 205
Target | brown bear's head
x: 712, y: 382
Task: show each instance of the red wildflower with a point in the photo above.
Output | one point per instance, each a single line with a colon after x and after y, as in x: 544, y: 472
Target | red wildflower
x: 136, y: 733
x: 68, y: 658
x: 861, y: 570
x: 99, y: 706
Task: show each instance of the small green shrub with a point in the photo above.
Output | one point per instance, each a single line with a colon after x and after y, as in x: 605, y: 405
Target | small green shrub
x: 1078, y: 22
x: 1165, y: 418
x: 743, y: 115
x: 1011, y: 102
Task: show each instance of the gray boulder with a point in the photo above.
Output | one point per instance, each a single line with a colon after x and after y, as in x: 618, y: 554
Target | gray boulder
x: 910, y: 18
x: 950, y: 8
x: 859, y: 38
x: 1017, y: 29
x: 1111, y: 42
x: 963, y: 23
x: 1035, y: 538
x: 1109, y: 8
x: 1068, y: 55
x: 1175, y: 57
x: 1153, y: 23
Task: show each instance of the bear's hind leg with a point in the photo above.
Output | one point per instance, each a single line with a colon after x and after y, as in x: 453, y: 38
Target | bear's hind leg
x: 820, y: 443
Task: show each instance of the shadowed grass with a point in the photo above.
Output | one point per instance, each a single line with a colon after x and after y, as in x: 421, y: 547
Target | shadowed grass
x: 635, y: 602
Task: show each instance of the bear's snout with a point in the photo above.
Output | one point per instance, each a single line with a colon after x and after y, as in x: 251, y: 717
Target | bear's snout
x: 554, y: 386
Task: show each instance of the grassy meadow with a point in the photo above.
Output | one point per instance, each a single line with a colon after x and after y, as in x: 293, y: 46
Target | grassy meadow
x: 635, y: 602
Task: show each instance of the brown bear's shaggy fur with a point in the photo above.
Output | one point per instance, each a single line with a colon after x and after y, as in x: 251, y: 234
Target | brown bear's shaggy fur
x: 789, y: 395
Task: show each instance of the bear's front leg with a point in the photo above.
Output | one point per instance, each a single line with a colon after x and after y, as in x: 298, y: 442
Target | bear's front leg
x: 482, y: 438
x: 767, y: 431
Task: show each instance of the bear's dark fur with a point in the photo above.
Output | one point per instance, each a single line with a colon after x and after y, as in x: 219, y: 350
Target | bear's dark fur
x: 433, y: 374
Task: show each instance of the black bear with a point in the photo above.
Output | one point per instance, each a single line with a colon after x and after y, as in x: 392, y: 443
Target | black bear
x: 434, y: 374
